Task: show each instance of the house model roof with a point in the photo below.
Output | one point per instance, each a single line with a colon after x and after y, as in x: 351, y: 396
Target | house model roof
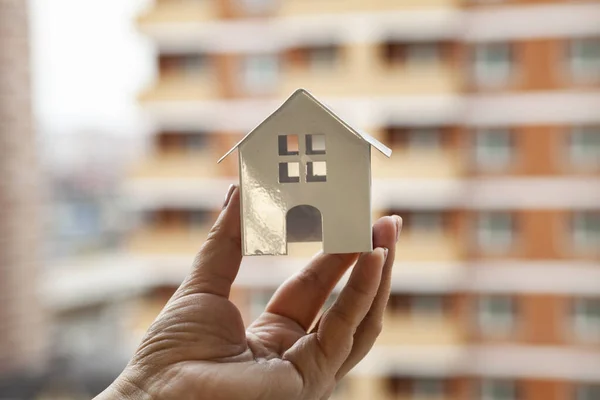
x: 301, y: 92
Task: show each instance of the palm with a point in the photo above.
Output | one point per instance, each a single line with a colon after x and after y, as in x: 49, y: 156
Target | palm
x: 198, y: 347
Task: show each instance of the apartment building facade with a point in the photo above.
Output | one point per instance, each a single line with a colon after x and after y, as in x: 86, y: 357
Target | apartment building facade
x: 492, y: 110
x: 22, y: 347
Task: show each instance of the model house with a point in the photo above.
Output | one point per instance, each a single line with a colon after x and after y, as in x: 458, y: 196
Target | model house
x: 305, y: 176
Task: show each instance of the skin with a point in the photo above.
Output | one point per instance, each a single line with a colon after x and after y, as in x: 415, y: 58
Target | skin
x: 198, y: 348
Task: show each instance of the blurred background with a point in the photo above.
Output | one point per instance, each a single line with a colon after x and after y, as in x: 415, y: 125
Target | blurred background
x: 113, y: 114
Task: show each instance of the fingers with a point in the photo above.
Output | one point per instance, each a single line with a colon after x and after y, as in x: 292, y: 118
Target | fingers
x: 338, y: 325
x: 386, y: 232
x: 302, y: 296
x: 218, y: 261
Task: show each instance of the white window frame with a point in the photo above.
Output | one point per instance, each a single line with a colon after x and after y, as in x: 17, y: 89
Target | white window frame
x: 492, y: 322
x: 496, y: 73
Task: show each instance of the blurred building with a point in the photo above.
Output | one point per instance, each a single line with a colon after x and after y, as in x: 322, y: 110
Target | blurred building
x: 22, y: 326
x: 492, y: 109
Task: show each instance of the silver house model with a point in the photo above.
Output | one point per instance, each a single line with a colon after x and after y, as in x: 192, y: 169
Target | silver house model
x: 305, y: 176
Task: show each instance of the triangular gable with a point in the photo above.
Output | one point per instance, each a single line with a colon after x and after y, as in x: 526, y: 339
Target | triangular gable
x: 302, y: 92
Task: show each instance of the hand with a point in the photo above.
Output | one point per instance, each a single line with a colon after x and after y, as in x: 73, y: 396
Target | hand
x: 198, y: 348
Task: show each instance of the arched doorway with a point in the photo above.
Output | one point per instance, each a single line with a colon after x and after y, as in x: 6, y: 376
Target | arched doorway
x: 304, y: 224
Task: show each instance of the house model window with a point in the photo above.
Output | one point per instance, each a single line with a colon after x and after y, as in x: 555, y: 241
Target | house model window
x: 302, y: 172
x: 314, y: 171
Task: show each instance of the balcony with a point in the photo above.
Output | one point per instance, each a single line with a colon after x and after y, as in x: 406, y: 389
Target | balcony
x: 181, y: 87
x: 428, y: 164
x: 428, y: 247
x: 419, y: 330
x: 303, y: 7
x: 198, y: 165
x: 361, y: 70
x: 167, y: 241
x: 179, y: 11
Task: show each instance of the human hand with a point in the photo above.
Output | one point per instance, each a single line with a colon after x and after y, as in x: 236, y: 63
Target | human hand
x: 197, y: 348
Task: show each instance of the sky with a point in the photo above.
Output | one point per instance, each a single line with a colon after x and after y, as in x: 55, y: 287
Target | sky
x: 88, y: 65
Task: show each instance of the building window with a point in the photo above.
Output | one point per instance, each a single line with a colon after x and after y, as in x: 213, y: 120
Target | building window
x: 493, y: 148
x: 495, y: 231
x: 585, y: 230
x: 316, y: 171
x: 413, y: 54
x: 584, y: 146
x: 496, y: 315
x: 289, y: 172
x: 424, y: 387
x: 323, y: 57
x: 424, y: 139
x: 186, y: 65
x: 419, y: 55
x: 257, y: 7
x: 585, y: 318
x: 288, y: 145
x: 495, y: 389
x: 492, y: 64
x: 587, y: 391
x: 427, y: 306
x: 315, y: 144
x: 584, y: 58
x: 260, y: 73
x: 428, y: 388
x: 428, y: 222
x: 259, y: 298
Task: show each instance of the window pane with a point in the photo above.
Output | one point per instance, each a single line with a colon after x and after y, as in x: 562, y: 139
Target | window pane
x: 584, y: 147
x: 422, y: 54
x: 493, y: 389
x: 492, y: 64
x: 323, y: 57
x: 260, y: 73
x: 315, y: 144
x: 495, y: 231
x: 584, y: 58
x: 587, y: 392
x: 316, y: 171
x: 496, y: 314
x: 586, y: 318
x: 423, y: 139
x: 288, y: 145
x: 427, y: 306
x: 289, y: 172
x: 585, y: 231
x: 493, y: 148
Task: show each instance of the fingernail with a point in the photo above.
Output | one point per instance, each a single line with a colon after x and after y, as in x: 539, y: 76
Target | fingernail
x: 228, y: 195
x: 398, y: 226
x: 385, y: 253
